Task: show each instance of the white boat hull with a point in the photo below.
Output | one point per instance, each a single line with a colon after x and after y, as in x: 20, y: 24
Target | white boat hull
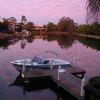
x: 52, y: 63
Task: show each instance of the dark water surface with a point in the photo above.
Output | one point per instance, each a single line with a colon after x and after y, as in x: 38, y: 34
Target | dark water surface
x: 86, y: 51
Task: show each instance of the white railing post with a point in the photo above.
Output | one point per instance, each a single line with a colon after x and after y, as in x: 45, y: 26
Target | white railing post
x: 51, y: 65
x: 82, y: 87
x: 74, y: 62
x: 24, y: 65
x: 23, y: 69
x: 58, y: 76
x: 22, y: 74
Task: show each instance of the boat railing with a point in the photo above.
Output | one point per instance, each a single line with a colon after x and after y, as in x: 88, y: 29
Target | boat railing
x: 73, y: 60
x: 48, y: 52
x: 51, y: 52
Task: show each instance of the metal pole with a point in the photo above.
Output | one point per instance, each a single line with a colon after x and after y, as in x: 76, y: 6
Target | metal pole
x: 74, y: 61
x: 82, y: 87
x: 22, y: 74
x: 58, y: 77
x: 23, y: 69
x: 51, y: 65
x: 58, y: 74
x: 23, y: 65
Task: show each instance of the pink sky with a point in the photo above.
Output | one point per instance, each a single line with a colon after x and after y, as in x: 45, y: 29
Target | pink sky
x: 43, y: 11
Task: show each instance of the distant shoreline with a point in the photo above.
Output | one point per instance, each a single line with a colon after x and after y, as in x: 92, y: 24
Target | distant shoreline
x: 3, y: 36
x: 89, y: 36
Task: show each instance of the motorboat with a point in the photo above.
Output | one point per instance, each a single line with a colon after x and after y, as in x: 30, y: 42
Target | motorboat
x: 38, y: 62
x: 41, y: 62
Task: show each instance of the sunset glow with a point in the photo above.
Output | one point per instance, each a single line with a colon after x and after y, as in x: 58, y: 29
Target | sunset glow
x: 43, y: 11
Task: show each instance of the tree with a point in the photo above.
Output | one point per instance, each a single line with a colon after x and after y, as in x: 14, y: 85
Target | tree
x: 51, y: 26
x: 29, y: 26
x: 66, y: 24
x: 93, y: 11
x: 4, y: 26
x: 93, y: 29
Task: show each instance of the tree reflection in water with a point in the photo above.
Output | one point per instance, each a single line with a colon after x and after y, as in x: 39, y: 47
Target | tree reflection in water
x: 64, y: 41
x: 5, y: 43
x: 89, y: 42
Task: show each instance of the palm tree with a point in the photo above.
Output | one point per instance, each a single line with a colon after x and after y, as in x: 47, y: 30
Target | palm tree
x: 93, y: 11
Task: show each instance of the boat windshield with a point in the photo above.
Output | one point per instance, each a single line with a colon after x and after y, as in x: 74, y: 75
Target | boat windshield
x: 37, y: 59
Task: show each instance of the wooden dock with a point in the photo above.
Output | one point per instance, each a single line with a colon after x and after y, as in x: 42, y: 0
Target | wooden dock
x: 69, y: 80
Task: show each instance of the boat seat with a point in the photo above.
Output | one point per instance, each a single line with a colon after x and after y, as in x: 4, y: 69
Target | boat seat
x: 46, y: 62
x: 39, y: 60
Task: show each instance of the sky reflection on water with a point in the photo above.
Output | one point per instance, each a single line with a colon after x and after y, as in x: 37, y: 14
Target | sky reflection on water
x: 86, y: 51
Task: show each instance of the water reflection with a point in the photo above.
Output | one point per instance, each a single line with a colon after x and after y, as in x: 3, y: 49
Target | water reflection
x: 4, y: 43
x: 66, y: 47
x: 23, y: 43
x: 64, y: 41
x: 89, y: 42
x: 30, y: 39
x: 39, y: 84
x: 31, y: 84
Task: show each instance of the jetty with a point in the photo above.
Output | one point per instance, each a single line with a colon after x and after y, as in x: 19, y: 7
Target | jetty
x: 69, y: 78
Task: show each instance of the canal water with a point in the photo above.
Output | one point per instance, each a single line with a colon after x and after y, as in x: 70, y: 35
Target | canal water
x: 86, y: 51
